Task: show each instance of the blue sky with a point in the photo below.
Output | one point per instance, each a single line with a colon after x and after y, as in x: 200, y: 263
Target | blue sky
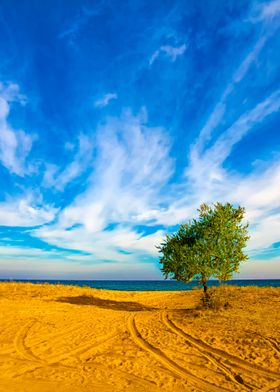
x: 119, y: 118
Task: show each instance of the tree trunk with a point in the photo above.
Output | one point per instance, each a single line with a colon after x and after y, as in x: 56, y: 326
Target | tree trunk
x: 205, y: 288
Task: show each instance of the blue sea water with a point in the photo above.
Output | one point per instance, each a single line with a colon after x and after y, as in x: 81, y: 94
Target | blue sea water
x: 150, y: 285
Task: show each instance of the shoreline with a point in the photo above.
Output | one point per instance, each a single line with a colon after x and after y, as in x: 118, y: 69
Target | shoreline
x: 150, y: 285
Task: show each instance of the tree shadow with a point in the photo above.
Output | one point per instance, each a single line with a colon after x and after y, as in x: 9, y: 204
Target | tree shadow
x: 105, y: 303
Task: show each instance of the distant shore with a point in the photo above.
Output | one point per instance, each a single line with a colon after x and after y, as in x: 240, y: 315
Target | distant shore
x: 57, y: 337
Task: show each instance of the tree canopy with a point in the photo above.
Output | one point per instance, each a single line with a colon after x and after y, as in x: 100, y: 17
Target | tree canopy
x: 210, y: 246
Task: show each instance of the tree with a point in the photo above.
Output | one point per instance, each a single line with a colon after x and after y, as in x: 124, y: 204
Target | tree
x: 210, y: 246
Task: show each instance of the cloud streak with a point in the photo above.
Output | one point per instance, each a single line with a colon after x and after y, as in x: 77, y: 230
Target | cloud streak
x: 219, y: 110
x: 25, y: 212
x: 105, y: 100
x: 171, y: 52
x: 131, y: 168
x: 59, y: 179
x: 15, y: 145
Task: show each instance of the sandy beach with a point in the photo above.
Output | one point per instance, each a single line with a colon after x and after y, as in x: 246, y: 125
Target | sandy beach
x: 64, y: 338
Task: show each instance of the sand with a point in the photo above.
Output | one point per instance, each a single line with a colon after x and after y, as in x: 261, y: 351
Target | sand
x: 64, y: 338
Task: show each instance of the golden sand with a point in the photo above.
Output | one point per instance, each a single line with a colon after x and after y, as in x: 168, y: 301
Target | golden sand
x: 64, y: 338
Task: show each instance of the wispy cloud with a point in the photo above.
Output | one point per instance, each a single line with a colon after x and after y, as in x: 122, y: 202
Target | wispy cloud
x: 59, y: 179
x: 210, y: 181
x: 219, y: 109
x: 25, y: 211
x: 127, y: 188
x: 15, y: 145
x: 171, y: 52
x: 131, y: 168
x: 267, y: 11
x: 10, y: 92
x: 105, y: 100
x: 217, y: 154
x: 72, y: 28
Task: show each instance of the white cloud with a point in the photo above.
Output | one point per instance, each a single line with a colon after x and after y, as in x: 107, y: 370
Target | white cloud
x: 24, y: 252
x: 219, y: 110
x: 258, y: 192
x: 50, y: 172
x: 120, y: 245
x: 10, y: 92
x: 265, y: 231
x: 173, y: 52
x: 267, y: 11
x: 59, y: 179
x: 206, y: 178
x: 169, y: 51
x: 25, y: 212
x: 211, y: 160
x: 15, y: 145
x: 131, y: 167
x: 105, y: 100
x: 131, y: 170
x: 266, y: 194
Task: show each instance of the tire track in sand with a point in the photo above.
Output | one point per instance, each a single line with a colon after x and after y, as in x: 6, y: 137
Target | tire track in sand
x: 271, y: 342
x: 168, y: 362
x: 239, y: 362
x: 56, y: 359
x: 20, y: 346
x: 228, y: 371
x: 82, y: 349
x: 54, y: 337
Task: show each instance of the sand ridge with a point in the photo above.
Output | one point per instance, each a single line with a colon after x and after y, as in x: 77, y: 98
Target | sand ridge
x: 66, y: 338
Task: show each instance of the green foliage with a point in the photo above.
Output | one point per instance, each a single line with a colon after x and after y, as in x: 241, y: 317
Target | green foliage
x: 210, y: 246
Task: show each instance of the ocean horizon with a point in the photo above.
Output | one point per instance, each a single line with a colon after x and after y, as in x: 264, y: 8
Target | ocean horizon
x: 148, y: 285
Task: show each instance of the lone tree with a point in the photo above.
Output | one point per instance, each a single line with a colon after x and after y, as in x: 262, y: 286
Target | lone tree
x: 210, y: 246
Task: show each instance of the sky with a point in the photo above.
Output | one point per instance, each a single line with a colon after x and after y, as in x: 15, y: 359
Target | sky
x: 119, y: 118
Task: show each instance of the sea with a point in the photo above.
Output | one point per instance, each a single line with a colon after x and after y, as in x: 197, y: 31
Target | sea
x: 150, y: 285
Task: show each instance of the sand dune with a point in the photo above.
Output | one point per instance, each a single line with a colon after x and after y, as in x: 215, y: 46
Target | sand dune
x: 63, y: 338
